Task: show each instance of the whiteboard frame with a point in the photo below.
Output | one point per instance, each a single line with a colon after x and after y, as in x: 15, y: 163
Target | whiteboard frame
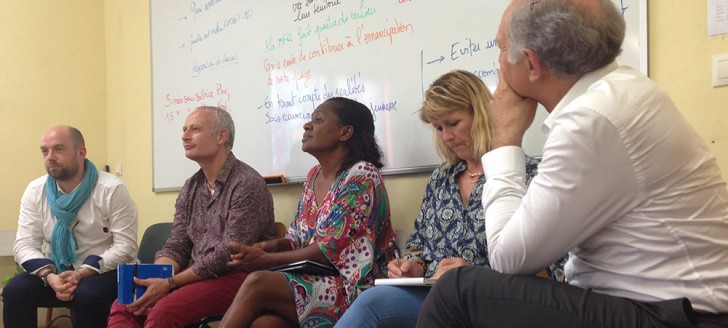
x: 644, y: 39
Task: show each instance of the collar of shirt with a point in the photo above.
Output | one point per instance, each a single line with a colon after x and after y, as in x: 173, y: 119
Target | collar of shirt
x: 579, y: 88
x: 222, y: 177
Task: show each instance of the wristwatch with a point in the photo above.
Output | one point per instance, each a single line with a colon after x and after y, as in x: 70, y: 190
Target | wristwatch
x: 44, y: 277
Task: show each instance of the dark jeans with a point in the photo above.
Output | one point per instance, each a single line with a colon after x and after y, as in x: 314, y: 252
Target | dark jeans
x: 479, y: 297
x: 90, y: 306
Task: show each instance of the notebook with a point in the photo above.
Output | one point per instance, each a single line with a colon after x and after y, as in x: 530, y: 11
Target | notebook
x: 419, y: 281
x: 307, y: 267
x: 127, y: 290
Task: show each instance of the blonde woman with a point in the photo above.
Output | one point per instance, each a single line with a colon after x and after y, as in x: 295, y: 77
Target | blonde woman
x: 449, y: 231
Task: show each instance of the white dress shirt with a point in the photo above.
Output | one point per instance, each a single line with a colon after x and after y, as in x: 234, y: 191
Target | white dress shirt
x: 627, y: 186
x: 105, y: 226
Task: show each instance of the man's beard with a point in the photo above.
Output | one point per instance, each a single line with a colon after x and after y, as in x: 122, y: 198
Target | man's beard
x: 63, y: 173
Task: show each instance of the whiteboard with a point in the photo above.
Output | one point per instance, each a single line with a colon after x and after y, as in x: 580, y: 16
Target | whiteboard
x: 270, y: 63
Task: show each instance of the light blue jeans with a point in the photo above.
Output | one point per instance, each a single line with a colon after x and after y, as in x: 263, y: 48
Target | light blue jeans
x: 385, y: 306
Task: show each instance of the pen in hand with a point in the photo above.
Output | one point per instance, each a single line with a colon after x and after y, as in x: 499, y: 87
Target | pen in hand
x: 396, y: 255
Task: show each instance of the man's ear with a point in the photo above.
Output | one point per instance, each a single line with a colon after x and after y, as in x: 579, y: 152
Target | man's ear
x: 222, y: 137
x: 346, y: 132
x: 82, y: 152
x: 533, y: 64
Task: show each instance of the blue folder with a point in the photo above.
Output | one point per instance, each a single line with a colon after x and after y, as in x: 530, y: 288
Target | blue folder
x: 128, y: 291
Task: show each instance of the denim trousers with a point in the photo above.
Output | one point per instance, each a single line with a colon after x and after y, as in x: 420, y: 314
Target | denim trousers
x: 385, y: 306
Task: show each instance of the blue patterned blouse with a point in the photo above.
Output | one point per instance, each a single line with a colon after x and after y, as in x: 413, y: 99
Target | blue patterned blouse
x: 445, y: 227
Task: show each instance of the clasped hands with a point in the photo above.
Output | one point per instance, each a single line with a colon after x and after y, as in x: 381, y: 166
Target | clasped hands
x: 410, y: 268
x: 64, y: 284
x: 252, y: 258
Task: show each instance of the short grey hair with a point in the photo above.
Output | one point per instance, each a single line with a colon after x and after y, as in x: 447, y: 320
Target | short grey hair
x: 222, y: 120
x: 568, y: 39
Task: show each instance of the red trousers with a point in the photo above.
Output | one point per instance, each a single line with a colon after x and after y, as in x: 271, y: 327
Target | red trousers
x: 186, y: 305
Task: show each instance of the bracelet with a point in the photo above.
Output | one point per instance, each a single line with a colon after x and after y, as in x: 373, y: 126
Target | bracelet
x: 80, y: 275
x: 44, y: 278
x: 171, y: 283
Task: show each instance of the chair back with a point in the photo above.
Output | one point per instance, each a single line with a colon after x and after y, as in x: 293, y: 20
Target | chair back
x: 153, y: 240
x: 281, y: 229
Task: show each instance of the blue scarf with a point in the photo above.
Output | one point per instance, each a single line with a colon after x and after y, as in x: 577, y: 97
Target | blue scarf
x: 65, y: 208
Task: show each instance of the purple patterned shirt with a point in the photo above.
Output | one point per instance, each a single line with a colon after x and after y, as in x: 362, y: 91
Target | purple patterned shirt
x: 241, y: 210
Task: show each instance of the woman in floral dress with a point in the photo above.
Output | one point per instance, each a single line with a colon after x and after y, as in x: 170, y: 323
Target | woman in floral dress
x: 342, y: 220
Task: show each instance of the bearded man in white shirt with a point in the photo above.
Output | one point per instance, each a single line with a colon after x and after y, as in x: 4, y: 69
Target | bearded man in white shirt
x: 75, y: 225
x: 626, y: 186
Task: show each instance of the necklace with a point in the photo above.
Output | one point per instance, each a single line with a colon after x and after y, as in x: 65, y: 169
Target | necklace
x: 210, y: 188
x: 474, y: 175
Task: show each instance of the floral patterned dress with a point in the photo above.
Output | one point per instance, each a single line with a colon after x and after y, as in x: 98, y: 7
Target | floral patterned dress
x: 353, y: 229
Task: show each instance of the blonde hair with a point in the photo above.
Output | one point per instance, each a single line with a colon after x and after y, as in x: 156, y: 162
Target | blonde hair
x: 460, y: 90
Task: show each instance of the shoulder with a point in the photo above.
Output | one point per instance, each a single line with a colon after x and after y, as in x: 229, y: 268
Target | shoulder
x: 108, y: 183
x: 108, y: 180
x: 38, y: 183
x: 35, y: 188
x: 241, y: 182
x: 242, y: 171
x: 443, y: 172
x: 610, y: 95
x: 361, y: 173
x: 364, y: 170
